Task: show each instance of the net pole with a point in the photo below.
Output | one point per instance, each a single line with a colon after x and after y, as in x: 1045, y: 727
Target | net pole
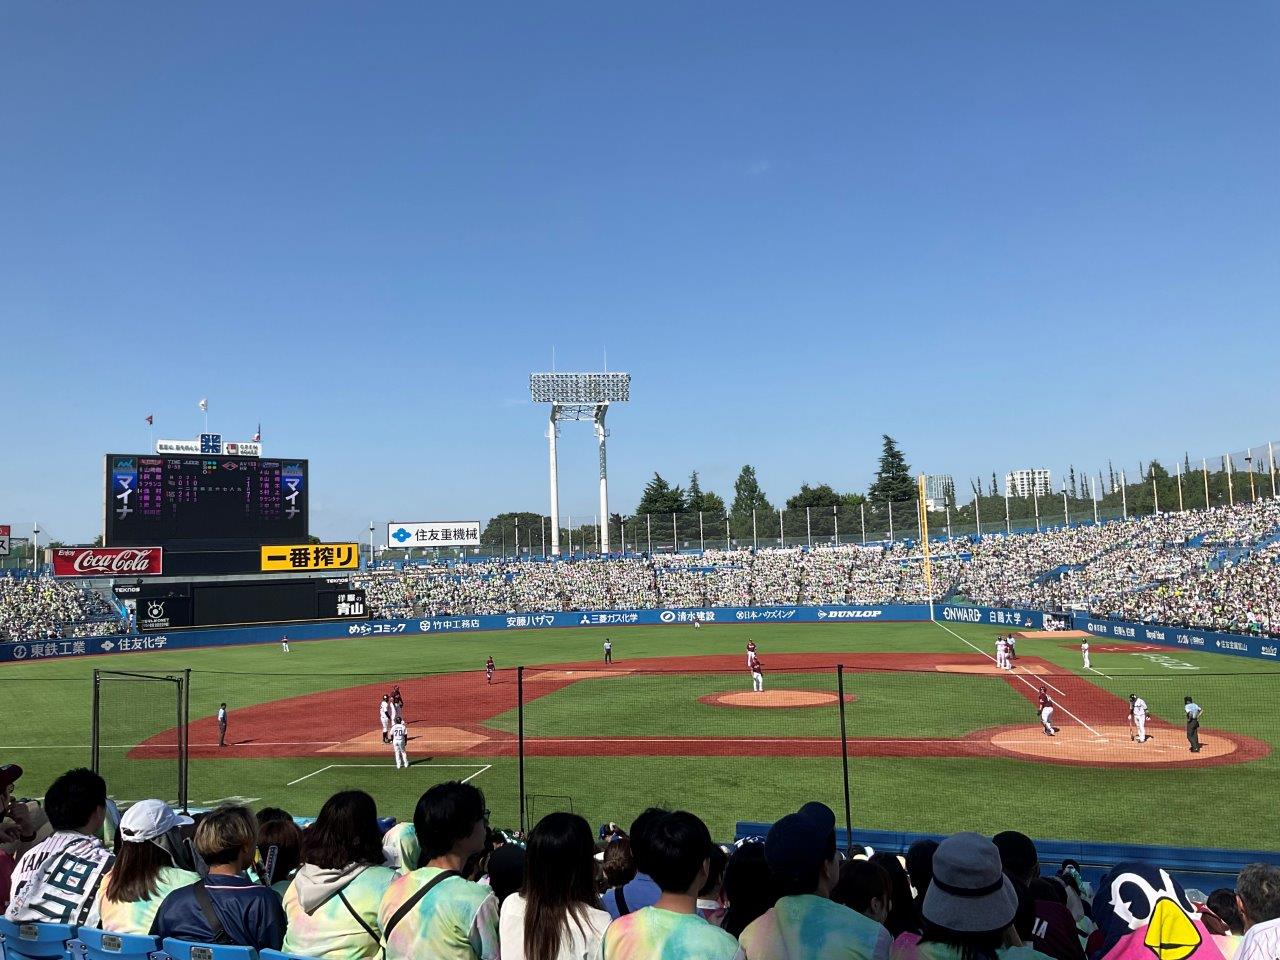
x: 520, y: 742
x: 844, y: 761
x: 94, y: 755
x: 184, y: 727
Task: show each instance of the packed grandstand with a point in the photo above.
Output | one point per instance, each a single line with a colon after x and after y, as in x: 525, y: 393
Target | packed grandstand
x: 1211, y: 569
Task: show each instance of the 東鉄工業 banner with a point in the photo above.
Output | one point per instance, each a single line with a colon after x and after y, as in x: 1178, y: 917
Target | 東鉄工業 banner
x: 436, y: 533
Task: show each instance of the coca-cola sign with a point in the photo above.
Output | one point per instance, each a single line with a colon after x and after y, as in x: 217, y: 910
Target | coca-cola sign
x: 108, y: 562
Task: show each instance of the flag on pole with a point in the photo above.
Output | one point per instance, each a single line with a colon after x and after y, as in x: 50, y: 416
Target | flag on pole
x: 257, y: 437
x: 151, y: 420
x: 204, y: 406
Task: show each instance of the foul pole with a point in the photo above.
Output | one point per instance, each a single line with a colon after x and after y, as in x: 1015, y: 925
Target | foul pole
x: 924, y: 540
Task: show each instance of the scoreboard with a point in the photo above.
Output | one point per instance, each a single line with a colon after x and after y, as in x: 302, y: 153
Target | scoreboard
x: 192, y: 500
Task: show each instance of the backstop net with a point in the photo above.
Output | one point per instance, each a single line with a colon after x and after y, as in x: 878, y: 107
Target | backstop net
x: 139, y: 735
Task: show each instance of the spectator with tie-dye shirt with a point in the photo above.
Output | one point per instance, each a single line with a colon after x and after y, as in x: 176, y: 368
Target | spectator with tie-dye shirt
x: 151, y: 862
x: 806, y: 922
x: 433, y: 911
x: 332, y: 904
x: 678, y: 857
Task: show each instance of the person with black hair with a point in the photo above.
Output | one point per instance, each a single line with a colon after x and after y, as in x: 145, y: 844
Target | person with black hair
x: 433, y: 910
x: 56, y: 881
x: 1050, y: 926
x: 806, y: 922
x: 749, y: 886
x: 332, y: 903
x: 904, y: 914
x: 1222, y: 902
x: 1258, y: 897
x: 919, y: 857
x: 864, y: 887
x: 556, y: 915
x: 640, y: 890
x: 677, y: 855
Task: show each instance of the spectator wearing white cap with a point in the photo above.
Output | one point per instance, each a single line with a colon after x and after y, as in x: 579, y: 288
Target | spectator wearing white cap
x: 151, y: 861
x: 969, y: 908
x: 806, y: 922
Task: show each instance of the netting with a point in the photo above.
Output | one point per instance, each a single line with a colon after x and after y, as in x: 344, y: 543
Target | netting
x: 138, y: 737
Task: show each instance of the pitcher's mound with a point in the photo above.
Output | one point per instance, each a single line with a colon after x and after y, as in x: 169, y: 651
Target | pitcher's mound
x: 774, y: 698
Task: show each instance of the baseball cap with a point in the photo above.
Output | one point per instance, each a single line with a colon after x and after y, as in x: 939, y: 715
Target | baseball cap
x: 9, y: 774
x: 969, y: 892
x: 148, y: 819
x: 797, y: 845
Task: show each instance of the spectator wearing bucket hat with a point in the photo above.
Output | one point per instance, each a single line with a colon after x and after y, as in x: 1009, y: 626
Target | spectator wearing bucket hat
x: 151, y: 861
x: 969, y: 908
x: 805, y: 922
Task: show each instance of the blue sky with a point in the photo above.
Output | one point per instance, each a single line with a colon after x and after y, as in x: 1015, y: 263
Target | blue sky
x: 1009, y: 234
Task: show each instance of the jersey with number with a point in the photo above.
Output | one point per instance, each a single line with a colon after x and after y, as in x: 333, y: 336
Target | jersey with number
x: 399, y: 734
x: 1139, y: 708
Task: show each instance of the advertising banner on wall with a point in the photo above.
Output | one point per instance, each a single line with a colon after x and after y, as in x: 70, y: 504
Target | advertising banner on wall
x: 434, y: 533
x: 108, y: 562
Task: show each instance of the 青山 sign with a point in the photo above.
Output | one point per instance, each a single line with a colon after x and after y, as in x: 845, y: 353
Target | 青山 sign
x: 311, y: 556
x: 108, y: 562
x: 438, y: 533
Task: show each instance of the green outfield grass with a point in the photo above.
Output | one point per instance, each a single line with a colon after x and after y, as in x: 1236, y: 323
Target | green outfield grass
x: 45, y: 710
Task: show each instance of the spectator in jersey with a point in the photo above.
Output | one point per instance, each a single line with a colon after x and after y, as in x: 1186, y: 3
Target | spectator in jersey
x: 332, y: 904
x: 226, y: 906
x: 677, y: 856
x: 556, y: 914
x: 57, y: 880
x: 749, y: 887
x: 864, y: 886
x: 642, y: 890
x: 1258, y: 897
x: 433, y: 910
x: 969, y: 907
x: 1053, y: 930
x: 806, y: 922
x: 151, y: 862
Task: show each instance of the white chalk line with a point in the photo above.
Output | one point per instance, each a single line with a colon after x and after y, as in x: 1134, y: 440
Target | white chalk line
x: 1018, y: 676
x: 482, y: 767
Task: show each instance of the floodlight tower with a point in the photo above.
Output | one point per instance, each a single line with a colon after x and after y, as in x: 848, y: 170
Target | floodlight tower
x: 579, y: 396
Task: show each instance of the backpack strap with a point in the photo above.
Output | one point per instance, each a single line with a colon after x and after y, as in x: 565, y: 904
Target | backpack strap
x: 413, y: 902
x: 621, y: 901
x: 205, y: 902
x: 359, y: 919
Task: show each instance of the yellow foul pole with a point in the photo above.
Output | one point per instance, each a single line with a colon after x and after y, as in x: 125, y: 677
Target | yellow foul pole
x: 922, y: 509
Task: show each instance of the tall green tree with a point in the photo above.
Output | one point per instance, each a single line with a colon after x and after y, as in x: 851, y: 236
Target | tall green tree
x: 893, y: 478
x: 748, y: 496
x: 660, y: 497
x: 815, y: 497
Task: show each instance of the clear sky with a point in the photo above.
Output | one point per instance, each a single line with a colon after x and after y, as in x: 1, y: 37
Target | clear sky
x: 1007, y: 233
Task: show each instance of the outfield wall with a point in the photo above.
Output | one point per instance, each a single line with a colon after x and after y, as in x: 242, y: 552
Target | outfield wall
x: 1235, y: 644
x: 187, y: 639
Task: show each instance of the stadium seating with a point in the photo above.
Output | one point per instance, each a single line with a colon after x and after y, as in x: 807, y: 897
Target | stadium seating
x: 105, y: 945
x: 186, y: 950
x: 37, y: 941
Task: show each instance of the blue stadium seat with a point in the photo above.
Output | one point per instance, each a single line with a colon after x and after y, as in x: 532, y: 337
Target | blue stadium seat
x: 278, y: 955
x: 36, y: 941
x: 186, y: 950
x: 105, y: 945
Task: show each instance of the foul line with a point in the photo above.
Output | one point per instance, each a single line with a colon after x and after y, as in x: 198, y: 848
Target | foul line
x: 385, y: 766
x: 1019, y: 676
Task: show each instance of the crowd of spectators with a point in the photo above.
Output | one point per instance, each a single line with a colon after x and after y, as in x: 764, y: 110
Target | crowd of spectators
x: 1210, y: 568
x: 447, y: 885
x: 41, y: 608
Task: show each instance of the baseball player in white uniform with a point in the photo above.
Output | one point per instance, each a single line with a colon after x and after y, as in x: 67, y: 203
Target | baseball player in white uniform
x: 1012, y: 643
x: 384, y: 715
x: 1138, y: 715
x: 757, y: 675
x: 399, y: 741
x: 1084, y: 652
x: 284, y: 644
x: 1002, y: 653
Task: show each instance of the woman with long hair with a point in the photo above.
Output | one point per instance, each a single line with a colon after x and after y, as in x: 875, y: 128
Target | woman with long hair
x: 332, y: 904
x: 151, y: 861
x: 556, y: 915
x: 748, y: 887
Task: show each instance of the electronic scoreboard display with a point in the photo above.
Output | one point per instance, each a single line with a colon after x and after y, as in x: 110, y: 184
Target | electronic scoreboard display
x: 186, y: 500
